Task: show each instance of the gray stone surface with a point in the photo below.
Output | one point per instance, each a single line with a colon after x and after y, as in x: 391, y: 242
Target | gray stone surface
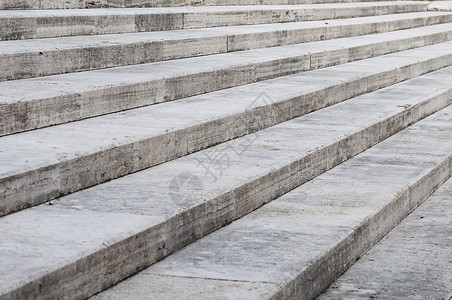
x: 414, y: 261
x: 145, y: 287
x: 160, y: 218
x: 41, y: 4
x: 39, y: 57
x: 219, y: 155
x: 303, y: 240
x: 55, y: 23
x: 50, y: 100
x: 41, y: 165
x: 65, y: 4
x: 440, y: 6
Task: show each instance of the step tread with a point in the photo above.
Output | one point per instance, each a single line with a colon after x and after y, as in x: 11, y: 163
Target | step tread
x: 292, y: 247
x: 192, y: 121
x: 60, y: 43
x: 37, y: 102
x: 413, y: 261
x: 189, y: 9
x: 27, y: 24
x: 45, y: 146
x: 41, y: 57
x: 142, y: 200
x: 65, y: 43
x: 66, y: 4
x: 63, y: 84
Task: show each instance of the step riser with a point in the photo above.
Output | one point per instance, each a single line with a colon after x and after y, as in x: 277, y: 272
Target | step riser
x: 29, y: 189
x: 137, y: 252
x: 41, y: 63
x: 58, y: 26
x: 27, y: 115
x: 71, y: 4
x: 328, y: 268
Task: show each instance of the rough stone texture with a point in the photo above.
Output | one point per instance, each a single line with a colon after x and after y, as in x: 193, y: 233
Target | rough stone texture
x: 65, y: 4
x: 262, y: 166
x: 70, y: 97
x: 414, y: 261
x: 303, y: 240
x: 127, y: 142
x: 56, y: 23
x: 145, y: 287
x: 218, y: 156
x: 41, y: 4
x: 40, y: 57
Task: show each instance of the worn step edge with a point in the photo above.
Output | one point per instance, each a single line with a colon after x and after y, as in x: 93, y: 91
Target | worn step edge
x: 422, y: 240
x: 295, y: 246
x: 263, y: 166
x: 43, y: 57
x: 38, y: 102
x: 48, y: 171
x: 18, y: 25
x: 72, y: 4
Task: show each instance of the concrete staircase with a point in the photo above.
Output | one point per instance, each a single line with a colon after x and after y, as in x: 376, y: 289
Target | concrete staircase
x: 247, y: 151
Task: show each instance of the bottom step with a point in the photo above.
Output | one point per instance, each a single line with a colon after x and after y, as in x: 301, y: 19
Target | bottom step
x: 414, y: 261
x: 297, y: 245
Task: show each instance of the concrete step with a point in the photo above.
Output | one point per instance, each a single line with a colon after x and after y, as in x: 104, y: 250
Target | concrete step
x: 41, y: 165
x: 295, y: 246
x: 414, y: 261
x: 40, y: 102
x: 87, y: 241
x: 68, y: 4
x: 56, y: 23
x: 41, y: 57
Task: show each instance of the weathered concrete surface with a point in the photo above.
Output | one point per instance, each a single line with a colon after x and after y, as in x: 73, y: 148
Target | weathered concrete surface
x: 440, y: 6
x: 147, y: 286
x: 39, y: 166
x: 303, y: 240
x: 56, y: 23
x: 81, y: 244
x: 259, y: 168
x: 414, y: 261
x: 41, y: 4
x: 41, y: 57
x: 60, y: 4
x: 38, y: 102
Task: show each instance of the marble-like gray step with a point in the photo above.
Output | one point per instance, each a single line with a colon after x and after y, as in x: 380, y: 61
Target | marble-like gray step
x: 295, y: 246
x: 87, y: 241
x: 55, y: 23
x: 414, y: 261
x: 68, y: 4
x: 41, y: 57
x: 41, y: 165
x: 38, y: 102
